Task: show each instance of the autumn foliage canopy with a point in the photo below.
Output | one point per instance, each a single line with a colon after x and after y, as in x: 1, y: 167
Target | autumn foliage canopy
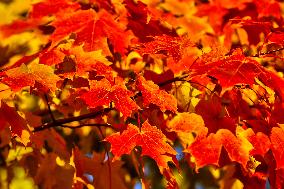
x: 117, y: 94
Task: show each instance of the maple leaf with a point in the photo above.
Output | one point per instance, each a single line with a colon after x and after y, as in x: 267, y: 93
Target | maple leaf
x: 174, y: 46
x: 98, y: 94
x: 98, y: 167
x: 235, y: 105
x: 267, y: 8
x: 143, y: 23
x: 231, y: 70
x: 152, y: 94
x: 151, y: 140
x: 159, y: 78
x: 186, y: 123
x: 72, y: 23
x: 23, y: 76
x: 215, y: 14
x: 214, y: 116
x: 51, y: 57
x: 277, y: 142
x: 51, y: 175
x: 16, y: 122
x: 18, y: 26
x: 105, y: 26
x: 91, y: 29
x: 91, y: 61
x: 102, y: 93
x: 183, y: 18
x: 253, y: 29
x: 276, y: 37
x: 36, y: 16
x: 51, y: 7
x: 273, y: 81
x: 260, y: 142
x: 207, y: 150
x: 53, y: 140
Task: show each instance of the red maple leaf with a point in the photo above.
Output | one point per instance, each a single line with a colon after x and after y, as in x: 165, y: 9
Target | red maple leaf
x: 36, y: 16
x: 92, y: 29
x: 51, y: 7
x: 207, y: 150
x: 277, y: 142
x: 102, y: 93
x: 171, y: 46
x: 152, y: 94
x: 231, y: 70
x: 143, y: 23
x: 16, y: 122
x: 151, y: 140
x: 214, y: 115
x: 23, y: 76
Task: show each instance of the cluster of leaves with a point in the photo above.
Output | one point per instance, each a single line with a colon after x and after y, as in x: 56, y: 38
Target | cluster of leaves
x: 172, y: 93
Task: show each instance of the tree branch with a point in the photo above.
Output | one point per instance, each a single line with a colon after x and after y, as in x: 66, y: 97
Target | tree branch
x: 88, y: 124
x: 181, y: 78
x: 49, y: 109
x: 268, y: 52
x: 61, y: 122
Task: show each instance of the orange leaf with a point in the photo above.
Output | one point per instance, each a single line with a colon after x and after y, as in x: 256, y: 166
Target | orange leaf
x: 10, y: 115
x: 91, y: 61
x: 50, y: 7
x: 98, y: 94
x: 23, y: 76
x: 277, y: 141
x: 152, y: 94
x: 99, y: 168
x: 102, y: 93
x: 91, y: 29
x: 231, y: 70
x: 260, y: 142
x: 207, y: 150
x: 172, y: 46
x: 188, y: 122
x: 51, y: 57
x: 151, y: 140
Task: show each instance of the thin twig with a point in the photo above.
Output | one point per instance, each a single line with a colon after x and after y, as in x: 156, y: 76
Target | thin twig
x: 193, y: 82
x: 49, y: 109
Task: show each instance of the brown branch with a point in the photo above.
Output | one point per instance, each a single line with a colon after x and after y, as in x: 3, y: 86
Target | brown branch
x: 63, y: 121
x: 49, y: 109
x: 193, y: 82
x: 268, y: 52
x: 88, y: 124
x: 181, y: 78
